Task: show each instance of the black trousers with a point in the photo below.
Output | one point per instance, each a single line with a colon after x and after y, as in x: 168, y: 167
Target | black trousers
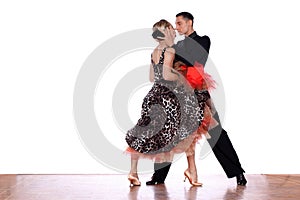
x: 224, y: 150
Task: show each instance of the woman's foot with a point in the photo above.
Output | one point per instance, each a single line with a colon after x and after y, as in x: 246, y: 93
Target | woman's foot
x: 134, y: 179
x: 192, y: 176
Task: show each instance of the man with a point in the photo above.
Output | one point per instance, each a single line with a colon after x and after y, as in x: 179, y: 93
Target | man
x: 196, y: 48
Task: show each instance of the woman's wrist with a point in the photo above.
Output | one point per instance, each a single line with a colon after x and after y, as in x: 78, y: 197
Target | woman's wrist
x: 172, y: 45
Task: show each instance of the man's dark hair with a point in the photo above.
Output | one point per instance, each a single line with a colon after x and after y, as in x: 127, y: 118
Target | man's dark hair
x: 186, y: 15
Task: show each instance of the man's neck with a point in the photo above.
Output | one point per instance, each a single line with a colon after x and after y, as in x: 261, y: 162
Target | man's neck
x: 189, y: 32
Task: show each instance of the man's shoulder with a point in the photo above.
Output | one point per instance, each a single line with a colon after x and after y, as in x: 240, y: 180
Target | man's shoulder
x: 204, y: 37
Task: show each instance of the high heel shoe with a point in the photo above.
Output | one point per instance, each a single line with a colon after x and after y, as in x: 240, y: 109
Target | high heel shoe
x: 188, y: 176
x: 134, y: 180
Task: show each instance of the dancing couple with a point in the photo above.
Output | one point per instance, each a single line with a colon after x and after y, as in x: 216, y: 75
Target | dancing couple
x: 178, y: 111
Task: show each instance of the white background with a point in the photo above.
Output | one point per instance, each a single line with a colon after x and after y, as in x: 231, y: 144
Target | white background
x: 44, y: 44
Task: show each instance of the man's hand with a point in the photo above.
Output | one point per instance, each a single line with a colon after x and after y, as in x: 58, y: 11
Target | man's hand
x: 178, y: 65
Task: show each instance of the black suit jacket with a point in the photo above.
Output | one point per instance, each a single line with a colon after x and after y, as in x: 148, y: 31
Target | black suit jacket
x: 192, y: 48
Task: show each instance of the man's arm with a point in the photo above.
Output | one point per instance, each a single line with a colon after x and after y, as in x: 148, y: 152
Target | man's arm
x: 198, y: 47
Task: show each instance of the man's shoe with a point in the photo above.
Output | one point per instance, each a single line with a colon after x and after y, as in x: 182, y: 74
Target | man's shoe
x: 241, y: 180
x: 160, y: 173
x: 154, y: 181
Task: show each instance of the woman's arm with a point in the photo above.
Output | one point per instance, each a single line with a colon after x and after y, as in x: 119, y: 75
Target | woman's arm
x: 168, y: 72
x: 151, y: 73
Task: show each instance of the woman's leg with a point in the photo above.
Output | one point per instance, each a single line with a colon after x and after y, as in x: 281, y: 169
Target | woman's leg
x: 134, y: 163
x: 191, y: 171
x: 191, y: 164
x: 133, y: 176
x: 190, y: 155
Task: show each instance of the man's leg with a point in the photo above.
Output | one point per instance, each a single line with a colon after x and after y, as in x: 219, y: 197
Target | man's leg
x: 225, y: 153
x: 161, y: 171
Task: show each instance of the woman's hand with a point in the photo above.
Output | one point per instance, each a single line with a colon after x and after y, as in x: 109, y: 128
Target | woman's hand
x: 169, y: 36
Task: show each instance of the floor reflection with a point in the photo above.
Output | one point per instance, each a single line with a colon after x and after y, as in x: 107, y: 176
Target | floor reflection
x: 235, y: 194
x: 160, y: 192
x: 133, y: 192
x: 191, y: 193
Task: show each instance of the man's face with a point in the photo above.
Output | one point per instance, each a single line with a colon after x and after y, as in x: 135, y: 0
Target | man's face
x: 182, y: 25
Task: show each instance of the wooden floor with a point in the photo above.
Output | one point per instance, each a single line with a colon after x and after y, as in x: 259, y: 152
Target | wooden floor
x: 110, y: 187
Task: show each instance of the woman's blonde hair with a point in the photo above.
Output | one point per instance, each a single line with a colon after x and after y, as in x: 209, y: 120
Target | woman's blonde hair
x: 162, y: 24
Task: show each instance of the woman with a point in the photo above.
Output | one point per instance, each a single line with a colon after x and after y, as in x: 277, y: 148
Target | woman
x: 170, y: 114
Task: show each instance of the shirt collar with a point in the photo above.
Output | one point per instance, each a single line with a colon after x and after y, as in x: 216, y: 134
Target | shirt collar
x: 193, y: 34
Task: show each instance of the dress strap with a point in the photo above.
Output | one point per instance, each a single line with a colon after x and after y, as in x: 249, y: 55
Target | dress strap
x: 152, y: 60
x: 162, y: 56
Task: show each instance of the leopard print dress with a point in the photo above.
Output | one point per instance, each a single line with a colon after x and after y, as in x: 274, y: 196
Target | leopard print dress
x: 170, y: 113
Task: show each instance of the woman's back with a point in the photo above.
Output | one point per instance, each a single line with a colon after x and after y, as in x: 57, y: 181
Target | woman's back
x: 162, y: 62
